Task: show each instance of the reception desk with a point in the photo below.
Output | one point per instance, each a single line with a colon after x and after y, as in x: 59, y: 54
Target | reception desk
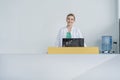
x: 73, y: 50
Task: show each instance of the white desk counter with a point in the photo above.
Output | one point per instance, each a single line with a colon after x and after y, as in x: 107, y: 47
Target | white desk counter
x: 59, y: 67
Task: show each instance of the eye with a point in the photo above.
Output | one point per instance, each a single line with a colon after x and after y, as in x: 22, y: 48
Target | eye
x: 68, y: 18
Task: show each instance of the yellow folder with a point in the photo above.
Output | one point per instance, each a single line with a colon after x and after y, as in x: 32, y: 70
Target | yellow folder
x: 73, y: 50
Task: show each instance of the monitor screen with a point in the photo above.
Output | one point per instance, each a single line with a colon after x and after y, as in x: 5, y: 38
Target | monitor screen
x: 73, y: 42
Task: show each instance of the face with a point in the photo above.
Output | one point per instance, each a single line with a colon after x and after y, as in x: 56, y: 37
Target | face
x: 70, y: 20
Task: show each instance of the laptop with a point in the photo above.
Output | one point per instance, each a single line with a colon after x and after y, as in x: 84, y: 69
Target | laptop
x: 73, y: 42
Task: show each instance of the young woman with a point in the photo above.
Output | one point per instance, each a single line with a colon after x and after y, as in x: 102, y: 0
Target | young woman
x: 69, y: 31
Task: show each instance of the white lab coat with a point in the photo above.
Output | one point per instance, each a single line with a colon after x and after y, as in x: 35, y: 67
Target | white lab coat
x: 75, y: 33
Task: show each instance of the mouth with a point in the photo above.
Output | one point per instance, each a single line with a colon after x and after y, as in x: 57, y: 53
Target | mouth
x: 70, y: 22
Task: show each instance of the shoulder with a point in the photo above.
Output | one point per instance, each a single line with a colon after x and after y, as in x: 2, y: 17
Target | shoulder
x: 76, y: 29
x: 62, y: 29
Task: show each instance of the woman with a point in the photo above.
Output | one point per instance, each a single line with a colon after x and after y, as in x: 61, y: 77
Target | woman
x: 69, y: 31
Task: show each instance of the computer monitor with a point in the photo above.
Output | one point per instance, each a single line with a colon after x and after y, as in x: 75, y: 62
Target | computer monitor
x: 73, y: 42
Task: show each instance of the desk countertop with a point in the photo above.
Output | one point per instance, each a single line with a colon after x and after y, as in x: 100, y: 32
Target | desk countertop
x: 59, y: 67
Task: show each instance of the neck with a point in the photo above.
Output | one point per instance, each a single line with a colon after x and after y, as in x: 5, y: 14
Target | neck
x: 69, y: 28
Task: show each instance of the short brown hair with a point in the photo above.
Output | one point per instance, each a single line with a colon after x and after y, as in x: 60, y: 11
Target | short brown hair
x: 71, y: 14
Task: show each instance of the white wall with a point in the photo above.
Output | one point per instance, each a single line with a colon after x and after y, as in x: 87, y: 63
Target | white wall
x: 119, y: 20
x: 30, y: 26
x: 119, y: 8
